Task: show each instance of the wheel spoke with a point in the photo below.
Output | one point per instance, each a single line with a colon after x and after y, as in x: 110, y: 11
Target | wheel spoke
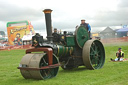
x: 92, y: 53
x: 93, y: 49
x: 96, y: 48
x: 44, y: 62
x: 96, y: 54
x: 48, y: 73
x: 95, y: 59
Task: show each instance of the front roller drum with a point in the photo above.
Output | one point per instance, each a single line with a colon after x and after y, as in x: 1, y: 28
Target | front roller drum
x: 93, y: 54
x: 32, y: 64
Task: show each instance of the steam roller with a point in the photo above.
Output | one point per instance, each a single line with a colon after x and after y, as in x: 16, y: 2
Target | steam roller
x: 68, y: 50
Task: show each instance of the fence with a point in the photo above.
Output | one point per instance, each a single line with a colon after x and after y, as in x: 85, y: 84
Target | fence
x: 14, y: 47
x: 111, y: 40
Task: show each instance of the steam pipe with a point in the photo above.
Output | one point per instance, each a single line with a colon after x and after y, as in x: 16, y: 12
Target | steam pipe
x: 47, y: 13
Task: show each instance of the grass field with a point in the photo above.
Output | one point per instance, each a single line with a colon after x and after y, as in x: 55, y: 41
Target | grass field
x: 113, y: 73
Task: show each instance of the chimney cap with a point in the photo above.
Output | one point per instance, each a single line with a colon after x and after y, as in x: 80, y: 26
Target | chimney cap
x: 47, y: 10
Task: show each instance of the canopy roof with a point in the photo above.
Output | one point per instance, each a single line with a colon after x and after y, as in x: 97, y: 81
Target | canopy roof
x: 122, y: 30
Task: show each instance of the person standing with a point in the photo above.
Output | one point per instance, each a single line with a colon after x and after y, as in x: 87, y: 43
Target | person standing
x: 87, y: 26
x: 56, y: 36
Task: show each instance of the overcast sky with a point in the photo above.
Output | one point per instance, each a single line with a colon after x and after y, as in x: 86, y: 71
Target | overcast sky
x: 66, y: 13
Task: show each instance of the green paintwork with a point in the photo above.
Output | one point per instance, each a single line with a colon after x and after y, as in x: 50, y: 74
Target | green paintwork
x: 70, y: 41
x: 97, y: 54
x: 81, y: 36
x: 64, y: 51
x: 27, y: 22
x: 48, y: 73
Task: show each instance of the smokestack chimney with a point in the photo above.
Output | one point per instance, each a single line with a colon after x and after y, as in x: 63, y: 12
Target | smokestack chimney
x: 47, y: 13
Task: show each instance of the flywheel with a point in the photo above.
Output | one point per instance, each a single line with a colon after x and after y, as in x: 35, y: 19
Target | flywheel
x: 82, y: 36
